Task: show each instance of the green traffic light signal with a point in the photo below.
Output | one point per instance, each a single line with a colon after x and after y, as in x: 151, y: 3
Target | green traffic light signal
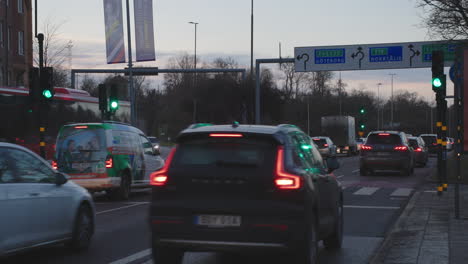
x: 437, y: 82
x: 363, y: 126
x: 362, y: 111
x: 47, y: 94
x: 114, y: 105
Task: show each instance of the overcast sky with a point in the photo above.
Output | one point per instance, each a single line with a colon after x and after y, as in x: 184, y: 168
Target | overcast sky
x: 224, y: 30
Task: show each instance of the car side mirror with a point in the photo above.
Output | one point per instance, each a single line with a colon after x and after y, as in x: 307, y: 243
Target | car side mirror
x: 332, y: 164
x: 60, y: 178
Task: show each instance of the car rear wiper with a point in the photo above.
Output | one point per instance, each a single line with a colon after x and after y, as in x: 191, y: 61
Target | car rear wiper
x: 235, y: 164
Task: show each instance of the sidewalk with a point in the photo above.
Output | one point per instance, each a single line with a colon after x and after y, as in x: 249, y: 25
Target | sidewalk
x: 427, y: 231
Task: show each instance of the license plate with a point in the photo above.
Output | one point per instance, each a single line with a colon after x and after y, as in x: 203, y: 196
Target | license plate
x: 80, y: 166
x: 218, y: 220
x: 381, y: 154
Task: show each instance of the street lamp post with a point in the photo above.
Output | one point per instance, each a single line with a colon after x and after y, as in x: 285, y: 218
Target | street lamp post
x: 195, y: 74
x: 391, y: 105
x: 378, y: 106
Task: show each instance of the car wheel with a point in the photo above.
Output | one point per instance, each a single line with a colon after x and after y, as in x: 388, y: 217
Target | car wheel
x: 123, y: 191
x: 308, y: 252
x: 83, y: 229
x: 335, y: 240
x: 162, y: 255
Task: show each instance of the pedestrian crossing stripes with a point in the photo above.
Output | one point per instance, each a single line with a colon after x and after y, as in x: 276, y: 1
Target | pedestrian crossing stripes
x: 369, y: 191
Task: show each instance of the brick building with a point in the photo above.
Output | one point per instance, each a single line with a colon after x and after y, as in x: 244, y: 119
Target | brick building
x: 16, y: 42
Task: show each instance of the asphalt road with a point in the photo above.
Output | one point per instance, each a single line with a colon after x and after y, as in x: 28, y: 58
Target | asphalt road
x: 122, y: 235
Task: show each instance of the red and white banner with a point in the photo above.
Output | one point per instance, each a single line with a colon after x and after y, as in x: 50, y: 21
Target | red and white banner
x: 115, y: 46
x: 144, y: 33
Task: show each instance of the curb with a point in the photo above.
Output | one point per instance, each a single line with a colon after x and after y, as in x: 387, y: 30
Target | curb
x: 379, y: 254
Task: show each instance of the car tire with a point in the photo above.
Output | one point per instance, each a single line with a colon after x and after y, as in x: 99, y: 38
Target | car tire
x: 335, y: 240
x: 162, y: 255
x: 83, y: 230
x: 123, y: 191
x: 308, y: 251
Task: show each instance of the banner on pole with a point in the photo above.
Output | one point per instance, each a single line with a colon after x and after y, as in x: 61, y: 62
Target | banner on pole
x: 144, y: 34
x: 115, y: 46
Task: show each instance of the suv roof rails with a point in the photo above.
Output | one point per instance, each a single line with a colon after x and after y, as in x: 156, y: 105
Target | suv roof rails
x: 287, y: 126
x: 115, y: 122
x: 197, y: 125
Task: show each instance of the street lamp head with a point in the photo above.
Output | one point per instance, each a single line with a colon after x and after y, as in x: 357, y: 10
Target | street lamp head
x: 195, y: 23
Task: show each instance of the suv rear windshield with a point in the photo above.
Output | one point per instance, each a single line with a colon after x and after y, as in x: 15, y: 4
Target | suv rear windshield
x: 413, y: 143
x: 384, y: 139
x: 79, y: 147
x: 225, y: 153
x: 320, y: 142
x: 429, y: 139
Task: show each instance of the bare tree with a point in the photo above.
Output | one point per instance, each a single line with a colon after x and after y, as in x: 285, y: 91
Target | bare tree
x: 446, y: 18
x: 55, y: 48
x: 293, y: 81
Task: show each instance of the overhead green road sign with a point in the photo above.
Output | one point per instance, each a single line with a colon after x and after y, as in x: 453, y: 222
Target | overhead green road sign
x: 372, y: 56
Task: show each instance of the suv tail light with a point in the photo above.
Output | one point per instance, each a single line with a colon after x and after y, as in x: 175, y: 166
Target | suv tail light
x: 160, y: 177
x: 109, y: 162
x: 325, y: 145
x: 54, y: 165
x: 418, y: 150
x: 401, y: 148
x: 366, y: 147
x: 283, y: 179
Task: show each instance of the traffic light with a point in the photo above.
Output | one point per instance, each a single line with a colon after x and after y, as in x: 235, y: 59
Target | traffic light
x: 47, y: 84
x: 362, y: 110
x: 439, y: 79
x: 34, y: 85
x: 102, y: 97
x: 362, y: 126
x: 113, y: 99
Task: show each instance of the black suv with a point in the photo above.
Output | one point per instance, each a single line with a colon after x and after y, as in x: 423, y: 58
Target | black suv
x: 386, y: 150
x: 245, y: 188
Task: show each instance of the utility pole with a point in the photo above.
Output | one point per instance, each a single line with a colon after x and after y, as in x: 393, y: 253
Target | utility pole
x: 391, y: 104
x: 131, y: 90
x: 378, y: 106
x: 195, y: 74
x: 251, y: 38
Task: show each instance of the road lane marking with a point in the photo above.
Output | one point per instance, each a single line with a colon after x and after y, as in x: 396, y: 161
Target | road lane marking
x: 354, y: 171
x: 366, y: 191
x: 341, y: 176
x: 133, y: 257
x: 119, y: 208
x: 402, y: 192
x: 371, y: 207
x: 429, y: 191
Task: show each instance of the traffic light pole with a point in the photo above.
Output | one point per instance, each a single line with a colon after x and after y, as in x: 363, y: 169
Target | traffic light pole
x: 41, y: 107
x: 439, y: 86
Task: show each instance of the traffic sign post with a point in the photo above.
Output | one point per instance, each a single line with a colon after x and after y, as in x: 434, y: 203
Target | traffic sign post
x: 372, y: 56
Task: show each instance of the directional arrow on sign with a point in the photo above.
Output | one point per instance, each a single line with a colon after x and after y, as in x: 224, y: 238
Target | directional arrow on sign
x: 359, y: 52
x: 299, y: 57
x: 414, y: 53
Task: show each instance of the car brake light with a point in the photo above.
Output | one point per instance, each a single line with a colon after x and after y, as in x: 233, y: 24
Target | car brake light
x: 325, y: 145
x: 284, y: 180
x: 418, y: 150
x: 316, y: 139
x: 54, y: 165
x: 384, y: 134
x: 401, y: 148
x: 366, y: 147
x: 109, y: 162
x: 81, y: 127
x: 226, y: 135
x: 159, y: 178
x: 434, y: 144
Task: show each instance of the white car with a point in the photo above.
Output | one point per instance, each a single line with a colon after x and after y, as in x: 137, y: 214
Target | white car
x: 39, y: 206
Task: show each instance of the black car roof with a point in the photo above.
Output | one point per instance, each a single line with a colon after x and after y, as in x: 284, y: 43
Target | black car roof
x: 236, y: 128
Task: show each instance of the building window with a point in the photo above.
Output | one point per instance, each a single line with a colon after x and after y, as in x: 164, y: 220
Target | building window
x: 8, y: 37
x: 20, y: 7
x: 1, y: 34
x: 20, y: 42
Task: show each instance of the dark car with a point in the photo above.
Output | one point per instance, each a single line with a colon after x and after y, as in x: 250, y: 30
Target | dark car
x: 245, y: 188
x: 431, y: 142
x: 421, y: 153
x: 386, y: 150
x: 326, y: 146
